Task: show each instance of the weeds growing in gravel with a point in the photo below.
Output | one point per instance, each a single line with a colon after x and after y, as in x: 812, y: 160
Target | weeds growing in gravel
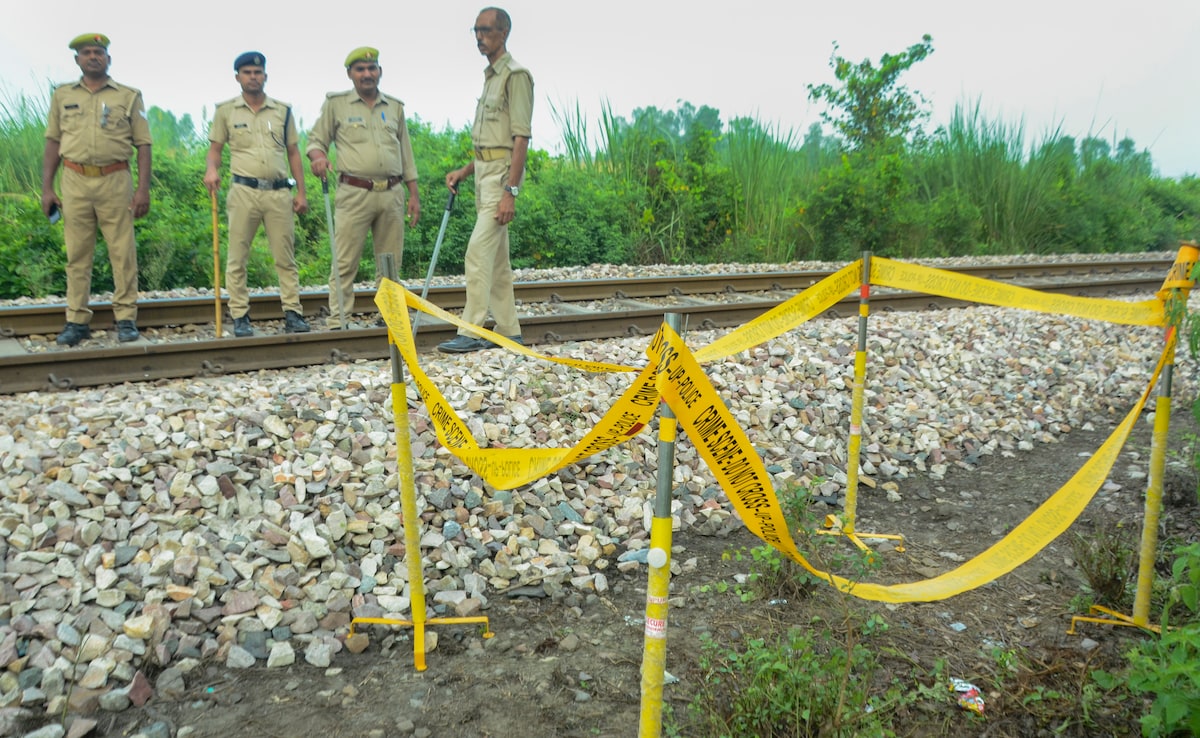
x: 1106, y: 556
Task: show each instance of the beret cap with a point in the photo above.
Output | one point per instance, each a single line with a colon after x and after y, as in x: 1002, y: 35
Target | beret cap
x: 362, y: 53
x: 249, y: 57
x: 89, y: 39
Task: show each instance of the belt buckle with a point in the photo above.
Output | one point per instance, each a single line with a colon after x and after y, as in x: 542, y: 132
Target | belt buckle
x: 379, y: 185
x: 91, y: 170
x: 264, y: 184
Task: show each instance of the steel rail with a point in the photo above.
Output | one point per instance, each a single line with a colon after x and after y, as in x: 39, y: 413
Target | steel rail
x: 29, y: 320
x: 143, y: 361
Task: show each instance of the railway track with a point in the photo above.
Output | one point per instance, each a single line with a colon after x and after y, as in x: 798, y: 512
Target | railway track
x: 552, y: 312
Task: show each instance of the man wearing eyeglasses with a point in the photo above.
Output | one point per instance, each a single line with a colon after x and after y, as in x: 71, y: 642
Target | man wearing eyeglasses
x: 501, y: 134
x: 374, y: 158
x: 261, y: 134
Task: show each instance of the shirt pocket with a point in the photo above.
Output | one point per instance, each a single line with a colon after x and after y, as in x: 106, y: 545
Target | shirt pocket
x: 241, y: 138
x: 356, y: 133
x: 71, y: 119
x: 494, y: 106
x: 118, y: 118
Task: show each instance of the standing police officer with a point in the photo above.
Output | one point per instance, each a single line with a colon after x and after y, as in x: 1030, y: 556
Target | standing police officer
x: 501, y: 136
x: 92, y: 129
x: 262, y: 135
x: 374, y: 155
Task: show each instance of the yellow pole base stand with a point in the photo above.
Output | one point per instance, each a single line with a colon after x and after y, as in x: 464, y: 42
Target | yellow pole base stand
x: 1114, y: 618
x: 419, y: 631
x: 833, y: 527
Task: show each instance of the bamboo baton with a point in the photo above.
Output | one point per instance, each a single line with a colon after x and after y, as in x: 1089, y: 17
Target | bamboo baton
x: 216, y: 262
x: 336, y: 278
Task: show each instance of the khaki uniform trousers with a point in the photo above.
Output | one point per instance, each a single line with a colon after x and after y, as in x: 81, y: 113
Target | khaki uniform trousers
x: 360, y: 211
x: 103, y: 202
x: 489, y: 273
x: 247, y: 208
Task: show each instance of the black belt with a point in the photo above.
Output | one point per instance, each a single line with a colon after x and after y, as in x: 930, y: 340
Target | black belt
x: 264, y: 184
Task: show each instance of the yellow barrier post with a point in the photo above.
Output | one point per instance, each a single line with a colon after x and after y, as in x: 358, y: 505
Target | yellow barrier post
x: 408, y: 508
x: 658, y: 586
x: 854, y: 446
x: 1174, y: 294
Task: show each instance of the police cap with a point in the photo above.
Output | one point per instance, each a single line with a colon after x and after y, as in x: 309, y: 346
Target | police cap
x: 362, y: 53
x: 249, y: 58
x: 89, y: 39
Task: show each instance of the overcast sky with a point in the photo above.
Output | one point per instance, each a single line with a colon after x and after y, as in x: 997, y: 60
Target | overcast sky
x: 1105, y: 68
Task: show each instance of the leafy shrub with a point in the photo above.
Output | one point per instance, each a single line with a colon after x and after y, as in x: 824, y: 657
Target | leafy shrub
x: 32, y: 257
x: 802, y: 684
x: 1166, y: 667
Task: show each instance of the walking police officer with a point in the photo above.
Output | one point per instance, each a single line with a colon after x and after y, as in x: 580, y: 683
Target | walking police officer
x: 261, y: 134
x: 93, y: 127
x: 501, y: 136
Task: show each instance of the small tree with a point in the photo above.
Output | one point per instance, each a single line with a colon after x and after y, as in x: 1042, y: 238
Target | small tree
x: 869, y: 202
x: 867, y: 107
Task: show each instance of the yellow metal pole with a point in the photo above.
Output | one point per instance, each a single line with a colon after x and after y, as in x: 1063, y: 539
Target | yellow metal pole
x: 408, y: 491
x: 1174, y: 294
x: 658, y: 586
x: 412, y: 533
x: 854, y: 447
x: 1158, y: 451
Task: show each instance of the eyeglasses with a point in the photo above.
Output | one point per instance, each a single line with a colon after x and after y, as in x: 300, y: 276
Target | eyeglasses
x: 483, y: 30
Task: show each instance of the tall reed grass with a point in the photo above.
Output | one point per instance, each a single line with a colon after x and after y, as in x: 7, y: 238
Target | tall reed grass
x: 22, y: 131
x: 986, y: 163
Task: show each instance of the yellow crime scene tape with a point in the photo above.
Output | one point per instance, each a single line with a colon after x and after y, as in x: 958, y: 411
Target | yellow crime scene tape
x: 510, y: 468
x: 675, y: 370
x: 507, y: 468
x: 779, y: 320
x: 732, y: 459
x: 900, y: 275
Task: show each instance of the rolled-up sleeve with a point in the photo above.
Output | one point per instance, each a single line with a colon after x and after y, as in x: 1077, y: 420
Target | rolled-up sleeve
x: 520, y: 104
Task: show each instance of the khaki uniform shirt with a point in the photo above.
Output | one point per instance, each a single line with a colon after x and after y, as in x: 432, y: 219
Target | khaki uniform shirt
x: 371, y: 141
x: 256, y: 140
x: 506, y: 107
x: 100, y: 127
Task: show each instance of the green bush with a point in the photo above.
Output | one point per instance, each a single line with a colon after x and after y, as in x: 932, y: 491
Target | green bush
x: 32, y: 257
x: 1166, y: 668
x: 675, y: 186
x: 806, y: 683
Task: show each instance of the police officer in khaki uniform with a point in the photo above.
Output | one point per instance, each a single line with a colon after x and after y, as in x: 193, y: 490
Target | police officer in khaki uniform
x: 374, y: 156
x: 262, y: 135
x: 93, y: 127
x: 501, y: 136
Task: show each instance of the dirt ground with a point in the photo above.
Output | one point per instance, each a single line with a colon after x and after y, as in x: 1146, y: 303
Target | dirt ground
x: 569, y: 669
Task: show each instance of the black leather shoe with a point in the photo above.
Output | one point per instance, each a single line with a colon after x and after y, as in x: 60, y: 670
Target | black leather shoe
x: 127, y: 331
x: 73, y: 333
x: 241, y: 327
x: 464, y: 345
x: 293, y: 322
